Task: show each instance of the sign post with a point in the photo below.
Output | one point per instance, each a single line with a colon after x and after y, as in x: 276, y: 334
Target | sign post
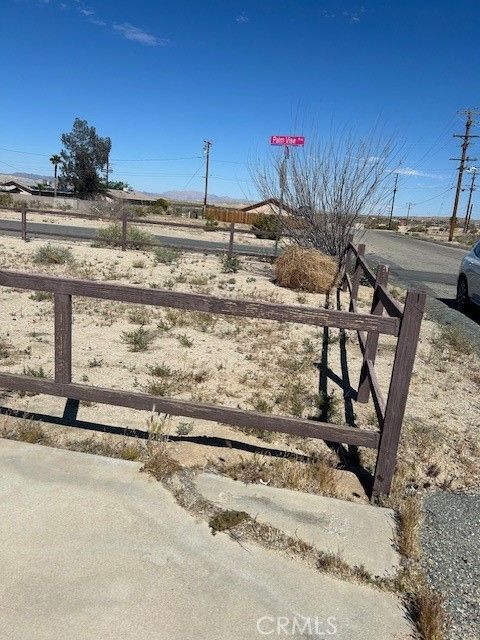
x: 285, y: 142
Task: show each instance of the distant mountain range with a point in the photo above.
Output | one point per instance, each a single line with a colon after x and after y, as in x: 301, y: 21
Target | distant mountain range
x: 182, y: 196
x: 197, y: 196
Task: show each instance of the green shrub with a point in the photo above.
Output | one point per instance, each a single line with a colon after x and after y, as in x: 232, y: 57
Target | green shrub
x: 6, y: 201
x: 164, y: 255
x: 138, y: 339
x: 112, y: 236
x: 266, y: 226
x: 230, y: 264
x: 52, y: 255
x: 157, y: 208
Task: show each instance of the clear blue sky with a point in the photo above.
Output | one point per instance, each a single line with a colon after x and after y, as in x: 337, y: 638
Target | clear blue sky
x: 160, y: 76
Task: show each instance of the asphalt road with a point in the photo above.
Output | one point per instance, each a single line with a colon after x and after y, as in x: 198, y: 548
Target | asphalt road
x: 416, y: 263
x: 429, y: 267
x: 12, y: 227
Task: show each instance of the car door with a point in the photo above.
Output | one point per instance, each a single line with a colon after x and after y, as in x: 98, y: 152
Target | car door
x: 473, y: 274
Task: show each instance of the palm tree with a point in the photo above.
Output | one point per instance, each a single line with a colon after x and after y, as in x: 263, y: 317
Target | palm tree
x: 55, y: 160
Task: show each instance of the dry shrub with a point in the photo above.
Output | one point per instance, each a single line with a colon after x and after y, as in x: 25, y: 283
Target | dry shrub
x: 306, y: 269
x: 316, y: 476
x: 159, y: 464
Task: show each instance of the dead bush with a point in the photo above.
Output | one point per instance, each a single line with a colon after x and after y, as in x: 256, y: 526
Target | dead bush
x: 306, y: 269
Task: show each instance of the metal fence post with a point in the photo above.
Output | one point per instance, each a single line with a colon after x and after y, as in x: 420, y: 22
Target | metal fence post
x: 371, y: 344
x: 398, y: 391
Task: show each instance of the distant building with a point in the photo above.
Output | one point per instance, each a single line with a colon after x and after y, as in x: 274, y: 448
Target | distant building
x: 131, y: 197
x: 267, y: 207
x: 29, y: 187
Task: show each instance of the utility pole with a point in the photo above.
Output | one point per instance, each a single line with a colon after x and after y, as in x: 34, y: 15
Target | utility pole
x: 206, y: 148
x: 409, y: 205
x: 463, y: 159
x: 393, y: 202
x: 473, y: 171
x: 283, y: 181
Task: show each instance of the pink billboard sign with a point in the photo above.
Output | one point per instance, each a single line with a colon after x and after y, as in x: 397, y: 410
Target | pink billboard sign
x: 294, y: 141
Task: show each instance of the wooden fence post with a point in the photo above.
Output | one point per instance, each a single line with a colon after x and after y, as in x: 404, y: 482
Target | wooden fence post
x: 398, y: 392
x: 357, y: 274
x: 371, y: 344
x: 231, y: 241
x: 24, y: 223
x: 124, y: 231
x: 63, y: 338
x: 348, y: 262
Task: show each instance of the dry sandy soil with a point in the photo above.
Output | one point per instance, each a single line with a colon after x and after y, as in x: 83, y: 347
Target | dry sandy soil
x: 237, y: 362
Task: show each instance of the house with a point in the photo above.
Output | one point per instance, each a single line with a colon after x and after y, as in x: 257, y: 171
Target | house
x: 267, y: 207
x: 130, y: 196
x: 29, y: 186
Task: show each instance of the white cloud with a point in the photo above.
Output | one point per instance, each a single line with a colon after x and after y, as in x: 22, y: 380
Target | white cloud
x: 86, y: 12
x: 242, y: 19
x: 408, y: 171
x: 130, y: 32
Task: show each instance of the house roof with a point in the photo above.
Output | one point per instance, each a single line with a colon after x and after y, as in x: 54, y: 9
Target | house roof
x: 119, y: 194
x: 272, y: 201
x: 9, y: 180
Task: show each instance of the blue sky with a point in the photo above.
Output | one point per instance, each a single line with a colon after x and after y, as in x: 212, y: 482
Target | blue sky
x: 160, y: 76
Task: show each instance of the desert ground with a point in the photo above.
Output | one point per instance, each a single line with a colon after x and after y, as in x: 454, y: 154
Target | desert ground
x: 250, y: 364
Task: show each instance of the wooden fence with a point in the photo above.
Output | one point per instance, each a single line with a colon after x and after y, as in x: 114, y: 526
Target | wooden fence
x: 124, y: 241
x: 387, y: 317
x: 231, y: 215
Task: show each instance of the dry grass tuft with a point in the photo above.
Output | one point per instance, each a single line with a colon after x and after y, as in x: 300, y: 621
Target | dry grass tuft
x: 33, y: 433
x: 306, y: 269
x: 409, y: 514
x: 159, y: 464
x: 429, y: 614
x: 317, y: 476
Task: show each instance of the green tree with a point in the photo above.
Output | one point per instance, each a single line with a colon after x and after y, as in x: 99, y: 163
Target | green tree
x: 55, y: 160
x: 84, y: 156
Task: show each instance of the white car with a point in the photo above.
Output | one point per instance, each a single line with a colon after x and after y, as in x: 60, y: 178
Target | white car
x: 468, y: 286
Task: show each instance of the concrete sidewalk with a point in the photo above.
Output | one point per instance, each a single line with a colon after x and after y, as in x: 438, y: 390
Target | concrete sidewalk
x: 93, y: 550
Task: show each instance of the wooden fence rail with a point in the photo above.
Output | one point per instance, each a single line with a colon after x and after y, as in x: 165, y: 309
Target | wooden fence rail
x: 124, y: 221
x: 369, y: 326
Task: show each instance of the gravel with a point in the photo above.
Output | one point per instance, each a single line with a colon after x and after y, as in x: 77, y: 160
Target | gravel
x: 451, y: 545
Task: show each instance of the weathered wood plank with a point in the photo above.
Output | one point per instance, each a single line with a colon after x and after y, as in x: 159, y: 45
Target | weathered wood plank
x: 357, y: 274
x: 172, y: 406
x: 398, y: 391
x: 353, y: 248
x: 367, y: 272
x: 371, y: 345
x: 377, y: 395
x: 392, y: 306
x: 24, y: 223
x: 63, y: 337
x: 198, y: 302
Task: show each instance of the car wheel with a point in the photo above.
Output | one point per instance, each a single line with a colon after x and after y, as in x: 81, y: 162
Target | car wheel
x: 463, y: 301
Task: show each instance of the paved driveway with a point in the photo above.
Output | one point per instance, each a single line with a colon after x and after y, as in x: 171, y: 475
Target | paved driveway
x: 94, y: 550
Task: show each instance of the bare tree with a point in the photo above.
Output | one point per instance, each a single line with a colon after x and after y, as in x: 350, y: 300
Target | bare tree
x: 324, y: 188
